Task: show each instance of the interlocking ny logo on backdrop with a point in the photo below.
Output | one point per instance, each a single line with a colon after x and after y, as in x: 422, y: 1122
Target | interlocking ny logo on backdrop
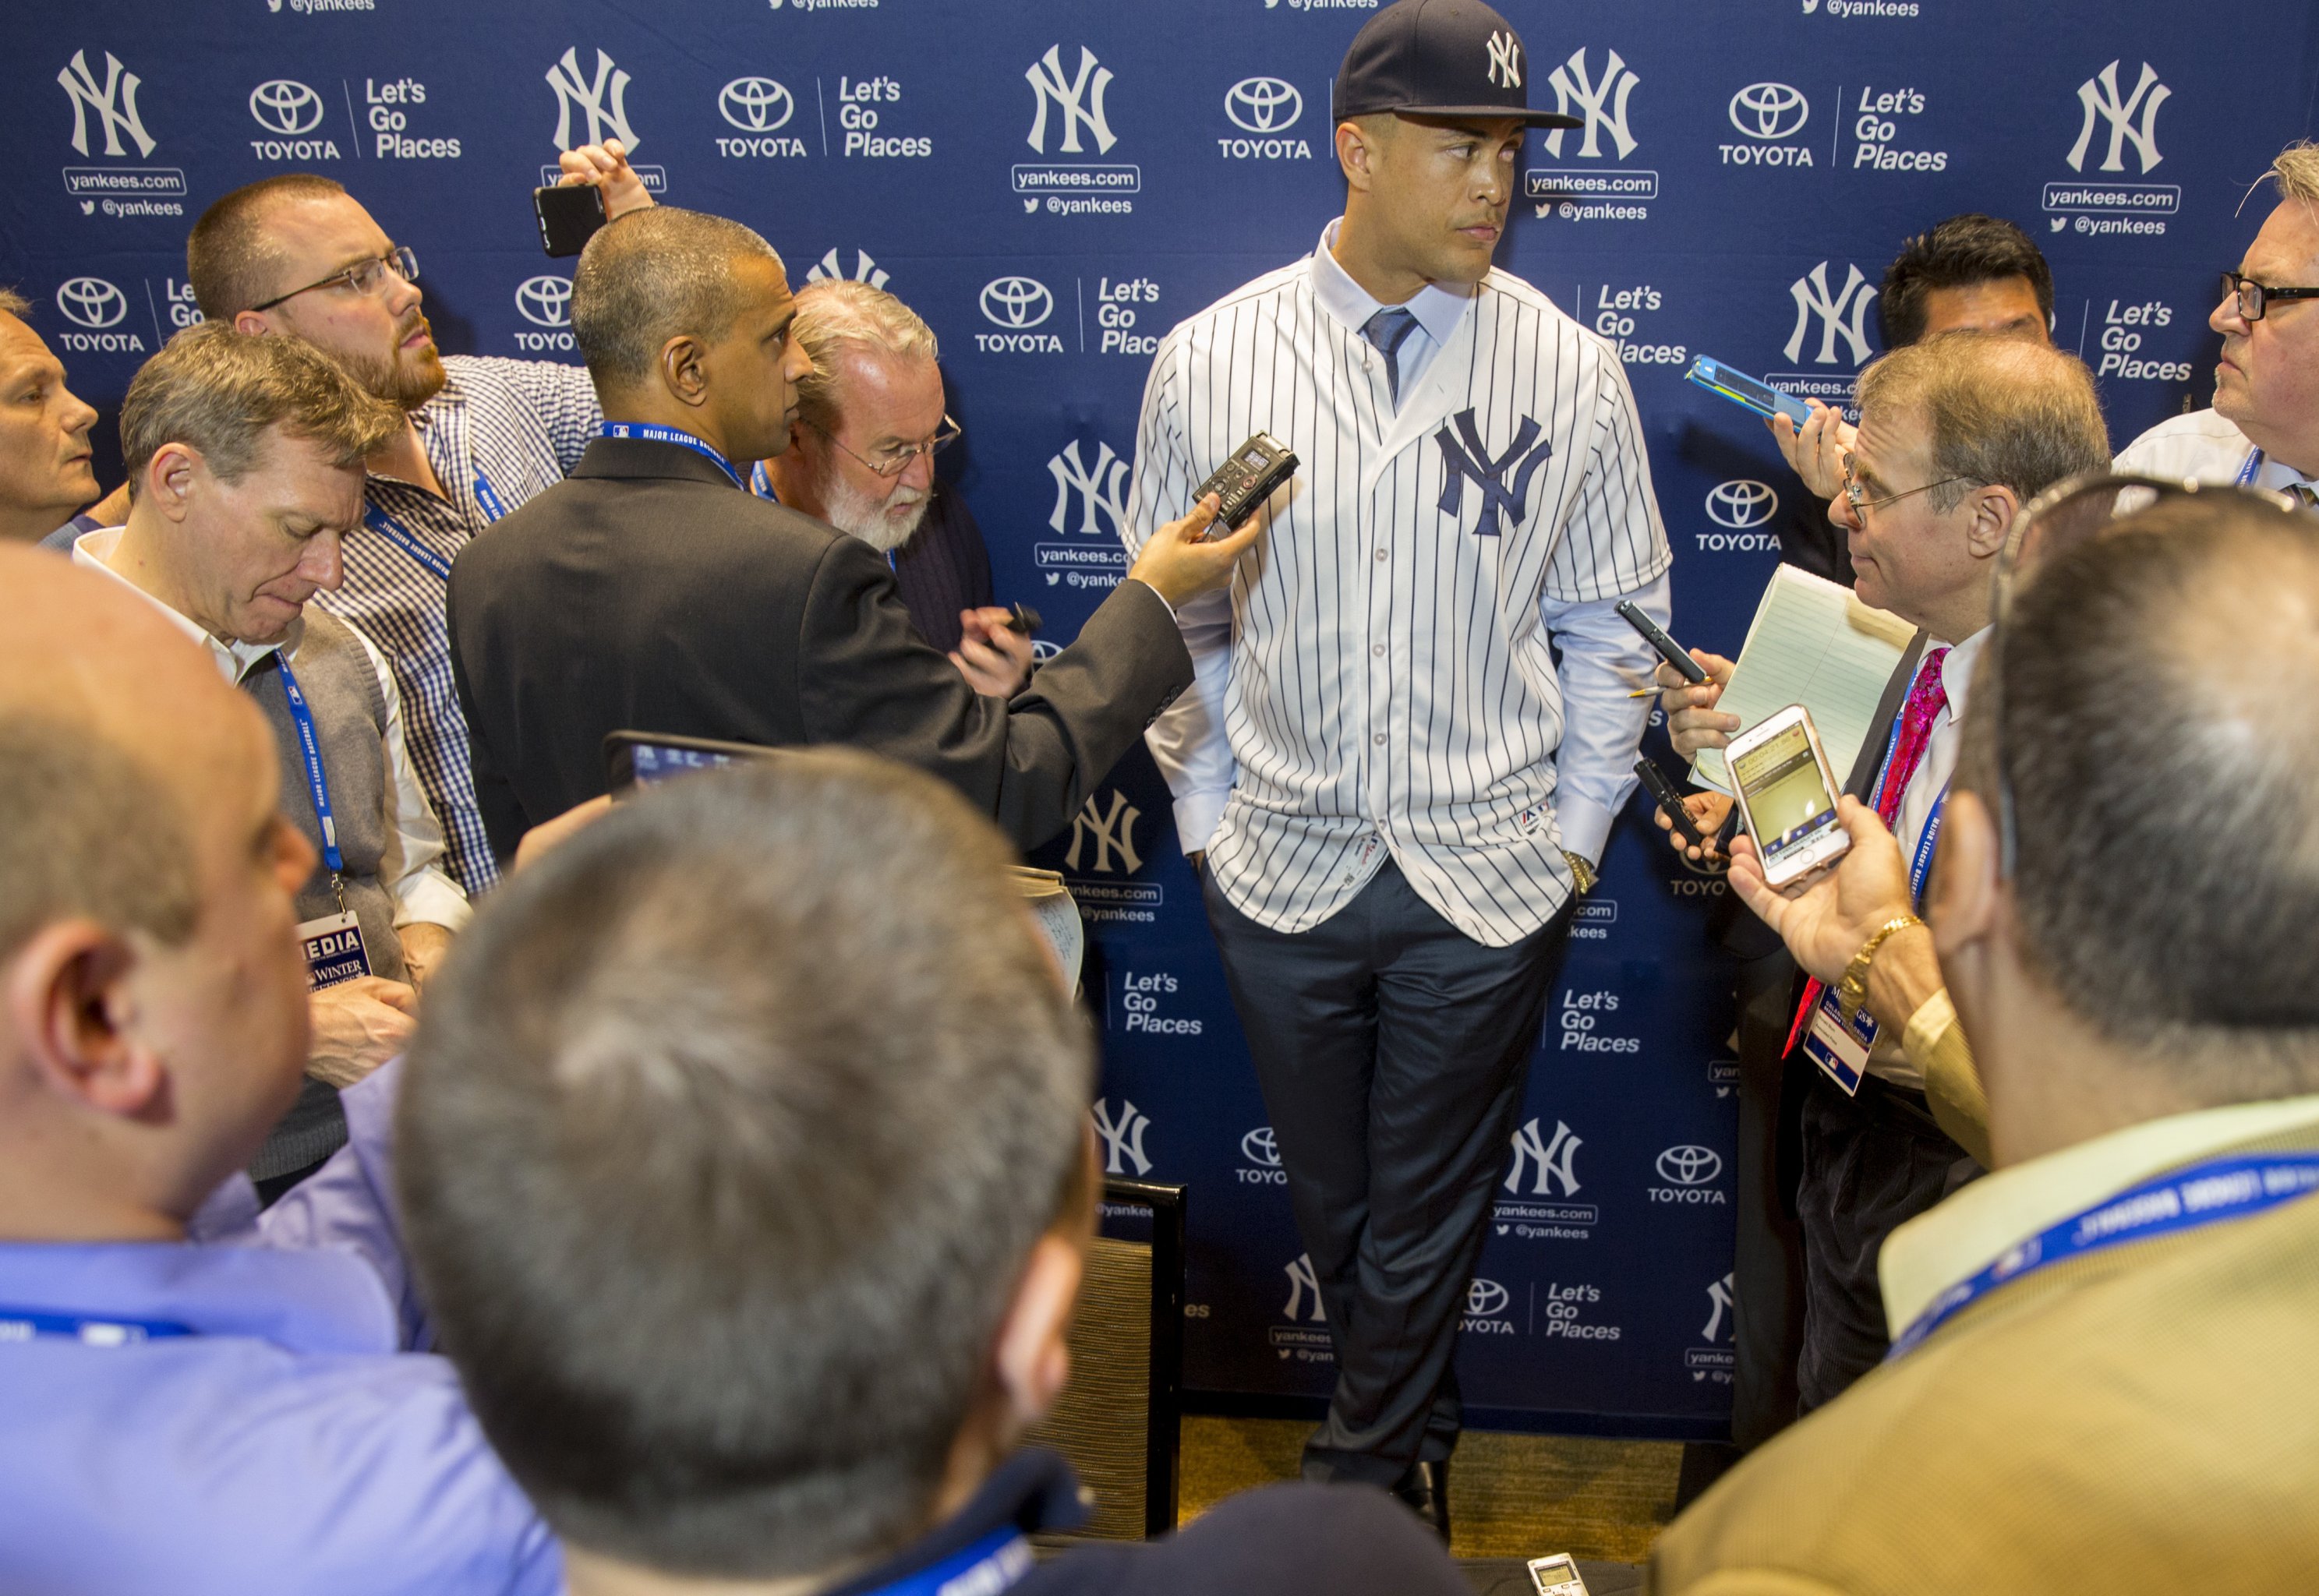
x: 286, y: 106
x: 1553, y: 1160
x: 1718, y: 1308
x: 1104, y: 836
x: 865, y: 270
x: 1770, y: 111
x: 1102, y: 491
x: 1079, y: 102
x: 755, y: 104
x: 2131, y: 120
x: 1841, y: 315
x: 1464, y: 458
x: 115, y: 105
x: 1016, y: 302
x: 92, y: 301
x: 1122, y: 1138
x: 544, y: 301
x: 604, y: 99
x: 1603, y: 101
x: 1302, y: 1282
x: 1741, y: 504
x: 1263, y: 104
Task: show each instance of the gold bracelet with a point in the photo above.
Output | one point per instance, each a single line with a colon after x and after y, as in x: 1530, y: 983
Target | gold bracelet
x: 1853, y: 991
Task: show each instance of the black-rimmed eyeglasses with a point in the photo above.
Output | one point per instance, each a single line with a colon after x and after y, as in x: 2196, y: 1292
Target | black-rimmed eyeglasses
x: 2255, y: 298
x: 894, y: 460
x: 1857, y: 496
x: 365, y: 276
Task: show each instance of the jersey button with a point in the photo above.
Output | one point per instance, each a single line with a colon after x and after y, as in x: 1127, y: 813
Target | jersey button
x: 1378, y: 739
x: 1380, y: 554
x: 1377, y: 649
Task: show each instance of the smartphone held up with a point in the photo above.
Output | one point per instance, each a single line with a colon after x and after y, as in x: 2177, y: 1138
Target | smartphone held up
x: 1787, y: 796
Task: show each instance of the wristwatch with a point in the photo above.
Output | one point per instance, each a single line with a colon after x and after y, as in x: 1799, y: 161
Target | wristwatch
x: 1582, y: 871
x: 1852, y: 991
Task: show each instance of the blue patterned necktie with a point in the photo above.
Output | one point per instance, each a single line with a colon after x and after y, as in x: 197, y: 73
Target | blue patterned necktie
x: 1388, y: 329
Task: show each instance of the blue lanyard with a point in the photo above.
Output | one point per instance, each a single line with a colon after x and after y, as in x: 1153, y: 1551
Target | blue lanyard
x: 317, y: 782
x: 403, y: 538
x: 986, y: 1568
x: 2207, y: 1194
x: 2252, y: 469
x: 26, y: 1324
x: 761, y: 483
x: 671, y: 435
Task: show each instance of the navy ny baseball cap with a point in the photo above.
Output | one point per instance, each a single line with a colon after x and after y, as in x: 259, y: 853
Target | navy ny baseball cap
x: 1438, y: 57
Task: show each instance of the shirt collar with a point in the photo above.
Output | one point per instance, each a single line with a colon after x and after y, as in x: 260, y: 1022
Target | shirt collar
x: 1437, y: 309
x: 234, y: 661
x: 320, y: 1300
x: 1956, y: 672
x: 1979, y: 1222
x: 1034, y: 1489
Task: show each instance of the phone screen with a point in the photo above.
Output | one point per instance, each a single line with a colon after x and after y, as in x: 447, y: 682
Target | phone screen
x: 1787, y: 798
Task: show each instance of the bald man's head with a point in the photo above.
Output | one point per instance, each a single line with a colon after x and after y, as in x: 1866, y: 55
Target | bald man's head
x: 152, y: 994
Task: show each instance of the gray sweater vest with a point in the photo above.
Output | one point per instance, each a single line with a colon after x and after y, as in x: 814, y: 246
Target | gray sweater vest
x: 349, y: 712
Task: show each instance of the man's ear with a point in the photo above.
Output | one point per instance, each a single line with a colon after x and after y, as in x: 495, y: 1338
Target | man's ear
x: 1968, y: 904
x: 1995, y: 509
x: 1032, y: 1355
x: 684, y: 369
x: 67, y: 1005
x: 1357, y: 153
x: 170, y: 477
x: 252, y: 322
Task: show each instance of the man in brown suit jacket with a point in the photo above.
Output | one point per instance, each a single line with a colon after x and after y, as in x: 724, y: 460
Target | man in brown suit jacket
x: 2101, y: 1378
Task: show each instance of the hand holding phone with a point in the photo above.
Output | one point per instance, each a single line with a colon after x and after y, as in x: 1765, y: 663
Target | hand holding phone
x: 569, y: 215
x: 1656, y: 636
x: 1787, y: 796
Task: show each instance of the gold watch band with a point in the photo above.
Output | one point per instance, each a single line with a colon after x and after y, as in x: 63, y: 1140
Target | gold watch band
x: 1581, y: 871
x: 1853, y: 991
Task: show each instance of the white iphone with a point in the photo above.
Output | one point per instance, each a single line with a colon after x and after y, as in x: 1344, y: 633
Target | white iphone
x: 1787, y: 796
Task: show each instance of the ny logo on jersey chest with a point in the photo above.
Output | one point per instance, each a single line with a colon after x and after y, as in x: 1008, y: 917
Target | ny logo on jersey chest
x: 1464, y: 456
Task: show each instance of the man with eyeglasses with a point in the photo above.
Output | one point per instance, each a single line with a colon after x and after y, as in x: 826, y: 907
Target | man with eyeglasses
x: 2098, y: 1381
x: 2263, y: 430
x: 296, y: 253
x: 1956, y: 435
x: 861, y: 457
x: 651, y: 591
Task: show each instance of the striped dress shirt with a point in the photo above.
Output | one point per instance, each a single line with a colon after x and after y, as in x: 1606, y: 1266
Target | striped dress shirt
x: 520, y: 425
x: 1380, y: 679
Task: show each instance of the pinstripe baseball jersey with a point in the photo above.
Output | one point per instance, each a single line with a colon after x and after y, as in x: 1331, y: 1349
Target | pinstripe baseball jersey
x: 516, y: 426
x: 1380, y: 679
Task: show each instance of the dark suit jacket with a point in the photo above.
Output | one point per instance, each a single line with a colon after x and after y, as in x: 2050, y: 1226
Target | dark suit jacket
x: 644, y: 591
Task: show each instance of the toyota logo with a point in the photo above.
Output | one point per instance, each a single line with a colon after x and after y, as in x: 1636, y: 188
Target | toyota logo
x: 1742, y: 503
x: 1016, y: 302
x: 286, y: 106
x: 545, y: 302
x: 755, y: 104
x: 1259, y: 1147
x: 1689, y: 1166
x: 92, y: 301
x: 1484, y: 1299
x: 1263, y: 104
x: 1769, y: 110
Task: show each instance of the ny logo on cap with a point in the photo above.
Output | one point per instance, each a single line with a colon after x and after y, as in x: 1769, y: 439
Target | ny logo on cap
x: 1506, y: 60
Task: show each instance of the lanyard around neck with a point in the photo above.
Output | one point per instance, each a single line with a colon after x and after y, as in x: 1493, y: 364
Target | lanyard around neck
x: 682, y: 439
x: 318, y: 783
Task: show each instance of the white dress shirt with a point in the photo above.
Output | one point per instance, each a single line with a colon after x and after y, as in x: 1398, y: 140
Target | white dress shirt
x: 1380, y: 679
x: 2202, y: 447
x: 410, y: 868
x: 1924, y: 789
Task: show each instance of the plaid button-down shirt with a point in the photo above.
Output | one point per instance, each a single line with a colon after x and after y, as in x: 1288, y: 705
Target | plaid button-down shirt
x: 516, y: 427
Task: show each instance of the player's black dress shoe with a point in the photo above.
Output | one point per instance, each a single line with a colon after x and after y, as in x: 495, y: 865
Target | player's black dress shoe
x: 1426, y: 1489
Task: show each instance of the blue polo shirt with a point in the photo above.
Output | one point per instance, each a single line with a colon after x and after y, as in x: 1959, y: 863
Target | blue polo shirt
x: 294, y: 1440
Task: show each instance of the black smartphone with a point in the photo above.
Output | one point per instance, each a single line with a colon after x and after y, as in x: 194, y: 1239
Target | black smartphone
x: 635, y: 760
x: 1670, y: 802
x: 569, y: 215
x: 1656, y: 636
x: 1025, y: 620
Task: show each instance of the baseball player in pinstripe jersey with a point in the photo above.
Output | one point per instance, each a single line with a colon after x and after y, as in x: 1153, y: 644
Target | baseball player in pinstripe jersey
x: 1398, y: 787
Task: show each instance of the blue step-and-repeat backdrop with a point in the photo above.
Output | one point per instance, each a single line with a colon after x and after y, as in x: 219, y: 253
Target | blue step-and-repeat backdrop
x: 1053, y: 184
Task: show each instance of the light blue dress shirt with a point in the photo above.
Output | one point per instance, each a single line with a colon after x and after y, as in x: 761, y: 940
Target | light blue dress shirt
x: 293, y: 1442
